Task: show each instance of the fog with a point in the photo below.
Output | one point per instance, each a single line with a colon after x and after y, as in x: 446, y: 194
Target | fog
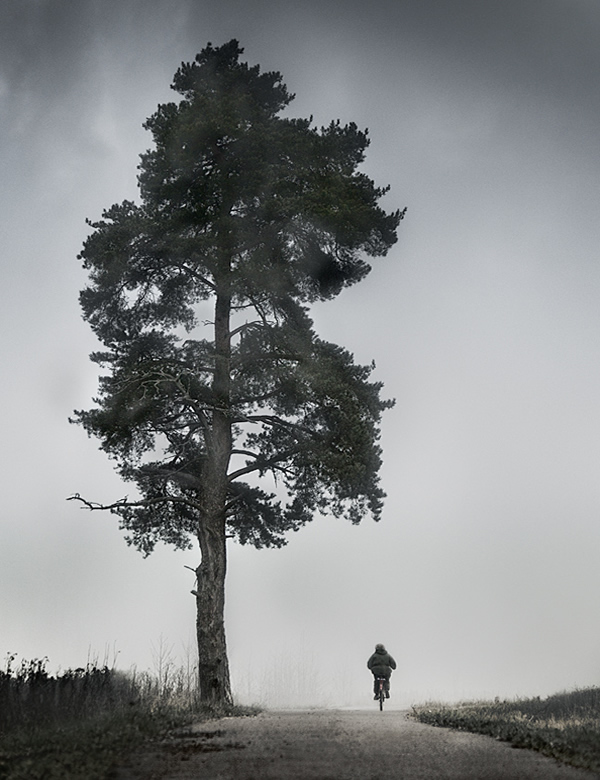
x: 483, y: 321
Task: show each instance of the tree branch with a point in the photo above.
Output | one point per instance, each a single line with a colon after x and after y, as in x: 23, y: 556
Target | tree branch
x: 271, y: 464
x: 192, y: 272
x: 274, y: 422
x: 245, y: 326
x: 255, y: 399
x: 249, y: 453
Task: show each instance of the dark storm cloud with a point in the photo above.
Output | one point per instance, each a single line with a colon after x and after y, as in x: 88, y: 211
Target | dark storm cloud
x: 50, y: 48
x: 517, y: 54
x: 528, y: 44
x: 43, y: 44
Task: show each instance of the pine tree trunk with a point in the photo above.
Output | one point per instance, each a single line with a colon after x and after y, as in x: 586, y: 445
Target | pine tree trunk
x: 213, y: 664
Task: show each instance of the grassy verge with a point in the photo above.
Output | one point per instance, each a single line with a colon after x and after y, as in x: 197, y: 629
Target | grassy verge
x: 89, y: 750
x: 81, y: 724
x: 565, y: 726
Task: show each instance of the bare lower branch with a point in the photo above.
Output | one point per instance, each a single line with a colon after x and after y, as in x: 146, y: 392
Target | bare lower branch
x: 125, y: 503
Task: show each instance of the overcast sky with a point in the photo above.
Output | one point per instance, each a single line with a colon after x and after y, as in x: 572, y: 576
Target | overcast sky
x: 483, y: 576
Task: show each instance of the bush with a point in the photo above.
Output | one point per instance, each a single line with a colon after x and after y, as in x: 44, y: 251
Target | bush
x: 78, y: 724
x: 565, y: 726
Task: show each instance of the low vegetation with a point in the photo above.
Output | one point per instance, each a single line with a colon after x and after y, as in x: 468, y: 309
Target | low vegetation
x: 77, y: 725
x: 565, y: 726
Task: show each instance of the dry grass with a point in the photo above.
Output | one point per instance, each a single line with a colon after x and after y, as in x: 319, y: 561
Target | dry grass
x: 565, y: 726
x: 79, y: 724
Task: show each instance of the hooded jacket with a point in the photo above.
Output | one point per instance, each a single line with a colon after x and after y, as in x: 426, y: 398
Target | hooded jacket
x: 381, y: 662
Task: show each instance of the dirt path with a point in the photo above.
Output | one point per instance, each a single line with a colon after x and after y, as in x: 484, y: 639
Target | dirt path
x: 338, y: 745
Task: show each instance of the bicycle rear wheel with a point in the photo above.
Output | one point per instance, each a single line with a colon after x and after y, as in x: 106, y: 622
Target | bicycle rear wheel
x: 381, y: 695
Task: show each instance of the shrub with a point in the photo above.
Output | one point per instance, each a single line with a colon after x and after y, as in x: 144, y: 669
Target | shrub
x: 565, y: 726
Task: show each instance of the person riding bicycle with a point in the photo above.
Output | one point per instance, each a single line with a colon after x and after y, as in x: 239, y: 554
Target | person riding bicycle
x: 381, y: 664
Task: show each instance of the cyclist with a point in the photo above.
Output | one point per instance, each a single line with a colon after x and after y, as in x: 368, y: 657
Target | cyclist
x: 381, y: 664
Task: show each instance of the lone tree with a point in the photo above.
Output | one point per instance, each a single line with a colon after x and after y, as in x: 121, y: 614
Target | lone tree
x: 199, y: 293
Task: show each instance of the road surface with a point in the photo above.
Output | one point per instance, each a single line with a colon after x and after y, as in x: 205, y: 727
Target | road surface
x: 338, y: 745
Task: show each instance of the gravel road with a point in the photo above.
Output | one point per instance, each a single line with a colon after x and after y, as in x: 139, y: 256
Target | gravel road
x: 338, y: 745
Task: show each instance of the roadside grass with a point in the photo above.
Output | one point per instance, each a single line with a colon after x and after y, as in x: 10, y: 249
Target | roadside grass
x: 78, y: 725
x: 565, y: 726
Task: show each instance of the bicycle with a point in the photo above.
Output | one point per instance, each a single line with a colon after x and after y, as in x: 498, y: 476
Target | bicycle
x: 381, y: 682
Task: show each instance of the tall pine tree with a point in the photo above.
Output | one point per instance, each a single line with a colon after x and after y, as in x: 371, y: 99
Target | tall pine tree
x: 220, y: 403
